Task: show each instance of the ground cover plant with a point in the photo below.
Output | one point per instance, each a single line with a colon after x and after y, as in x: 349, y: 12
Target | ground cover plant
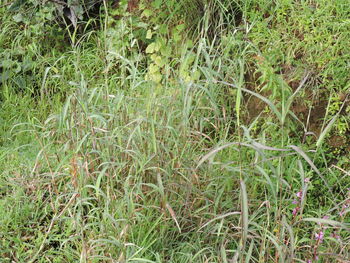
x: 175, y: 131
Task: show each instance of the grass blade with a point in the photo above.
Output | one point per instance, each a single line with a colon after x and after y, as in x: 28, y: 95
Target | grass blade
x: 306, y: 158
x: 173, y: 215
x: 326, y: 130
x: 327, y: 222
x: 244, y: 214
x: 264, y: 99
x: 219, y: 217
x: 213, y: 152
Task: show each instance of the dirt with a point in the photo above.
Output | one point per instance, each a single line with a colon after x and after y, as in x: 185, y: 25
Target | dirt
x: 310, y: 109
x: 337, y: 141
x: 133, y: 5
x: 255, y: 106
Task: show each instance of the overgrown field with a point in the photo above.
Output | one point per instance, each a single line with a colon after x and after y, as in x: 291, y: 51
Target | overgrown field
x: 210, y: 131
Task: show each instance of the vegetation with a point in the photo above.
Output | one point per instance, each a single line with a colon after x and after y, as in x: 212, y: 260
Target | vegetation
x: 175, y: 131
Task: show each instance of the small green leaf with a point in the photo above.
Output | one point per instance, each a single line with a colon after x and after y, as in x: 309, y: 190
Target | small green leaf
x: 176, y: 36
x: 157, y: 46
x: 157, y: 77
x: 146, y: 13
x: 157, y: 3
x: 149, y: 34
x: 163, y: 29
x: 159, y: 61
x: 150, y: 48
x: 153, y: 68
x: 17, y: 5
x: 189, y: 44
x: 18, y: 18
x: 165, y: 51
x: 142, y: 25
x: 196, y: 75
x: 180, y: 27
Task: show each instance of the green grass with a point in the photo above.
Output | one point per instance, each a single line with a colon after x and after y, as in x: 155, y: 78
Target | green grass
x: 173, y: 136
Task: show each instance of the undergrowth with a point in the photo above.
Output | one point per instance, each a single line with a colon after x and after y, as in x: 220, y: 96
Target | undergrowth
x: 176, y: 131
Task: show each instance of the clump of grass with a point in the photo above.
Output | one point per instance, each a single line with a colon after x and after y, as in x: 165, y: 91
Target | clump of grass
x: 140, y: 148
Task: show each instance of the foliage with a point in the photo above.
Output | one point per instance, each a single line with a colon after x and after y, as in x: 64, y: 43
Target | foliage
x: 177, y: 131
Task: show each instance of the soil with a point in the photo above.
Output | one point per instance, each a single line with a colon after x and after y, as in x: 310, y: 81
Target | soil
x: 133, y: 5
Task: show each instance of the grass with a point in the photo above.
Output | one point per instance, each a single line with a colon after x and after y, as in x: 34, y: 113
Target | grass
x: 170, y: 136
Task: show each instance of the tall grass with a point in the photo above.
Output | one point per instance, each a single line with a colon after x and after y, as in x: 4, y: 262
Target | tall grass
x: 102, y: 164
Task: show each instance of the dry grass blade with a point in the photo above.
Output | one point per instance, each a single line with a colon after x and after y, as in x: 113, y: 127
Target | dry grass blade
x: 173, y: 215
